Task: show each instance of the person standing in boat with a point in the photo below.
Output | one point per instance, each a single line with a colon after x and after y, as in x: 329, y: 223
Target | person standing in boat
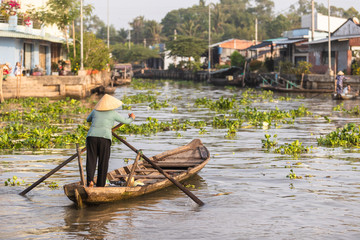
x: 340, y: 82
x: 98, y: 139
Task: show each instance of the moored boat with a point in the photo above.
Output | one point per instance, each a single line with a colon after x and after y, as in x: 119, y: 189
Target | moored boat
x: 348, y: 96
x: 180, y: 163
x: 298, y: 90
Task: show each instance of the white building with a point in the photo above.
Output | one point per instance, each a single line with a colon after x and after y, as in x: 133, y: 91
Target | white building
x: 321, y: 22
x: 31, y: 44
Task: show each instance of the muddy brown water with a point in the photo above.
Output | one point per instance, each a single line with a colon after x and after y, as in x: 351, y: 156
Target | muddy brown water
x: 246, y: 192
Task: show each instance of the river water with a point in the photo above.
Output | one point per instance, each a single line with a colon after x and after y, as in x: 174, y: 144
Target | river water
x: 245, y: 189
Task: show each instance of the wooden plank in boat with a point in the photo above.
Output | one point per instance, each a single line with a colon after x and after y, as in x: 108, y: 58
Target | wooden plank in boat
x: 203, y: 152
x: 174, y: 164
x: 154, y: 170
x: 142, y: 176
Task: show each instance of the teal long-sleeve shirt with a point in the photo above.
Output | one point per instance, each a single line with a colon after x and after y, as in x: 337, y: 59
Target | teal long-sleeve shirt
x: 103, y: 121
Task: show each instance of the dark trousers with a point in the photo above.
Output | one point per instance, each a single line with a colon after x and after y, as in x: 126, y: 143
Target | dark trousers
x: 97, y: 147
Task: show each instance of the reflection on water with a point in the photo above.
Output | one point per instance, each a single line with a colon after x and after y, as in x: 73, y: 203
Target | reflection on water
x: 245, y: 189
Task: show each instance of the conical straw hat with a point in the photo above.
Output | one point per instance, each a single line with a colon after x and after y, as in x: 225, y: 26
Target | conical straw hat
x: 340, y: 73
x: 107, y: 103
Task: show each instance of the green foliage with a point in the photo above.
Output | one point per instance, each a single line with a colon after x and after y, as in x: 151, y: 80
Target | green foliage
x: 293, y: 175
x: 185, y: 46
x: 137, y: 52
x: 237, y: 59
x: 53, y: 185
x: 267, y: 143
x: 295, y: 148
x: 348, y: 136
x: 355, y: 67
x: 286, y: 67
x: 14, y: 181
x: 303, y: 67
x: 255, y: 65
x: 96, y: 53
x: 37, y: 123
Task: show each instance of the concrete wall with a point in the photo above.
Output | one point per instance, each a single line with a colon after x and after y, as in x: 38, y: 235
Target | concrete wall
x: 341, y: 57
x: 56, y: 86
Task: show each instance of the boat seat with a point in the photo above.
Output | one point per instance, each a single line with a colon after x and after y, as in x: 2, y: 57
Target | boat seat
x: 141, y: 176
x: 175, y: 164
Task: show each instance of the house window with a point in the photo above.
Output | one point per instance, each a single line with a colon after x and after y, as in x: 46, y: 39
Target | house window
x: 325, y: 58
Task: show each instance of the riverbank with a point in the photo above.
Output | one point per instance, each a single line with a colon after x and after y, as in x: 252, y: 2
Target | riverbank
x: 308, y: 81
x: 55, y: 86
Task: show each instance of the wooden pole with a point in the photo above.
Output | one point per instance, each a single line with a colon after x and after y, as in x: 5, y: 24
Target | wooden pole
x: 302, y: 80
x: 51, y: 173
x: 154, y: 165
x: 81, y: 170
x: 132, y: 171
x: 244, y: 74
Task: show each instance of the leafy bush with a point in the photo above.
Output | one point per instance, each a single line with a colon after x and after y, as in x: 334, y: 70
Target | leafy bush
x: 255, y: 65
x: 237, y: 59
x: 355, y: 68
x: 303, y: 67
x: 286, y: 67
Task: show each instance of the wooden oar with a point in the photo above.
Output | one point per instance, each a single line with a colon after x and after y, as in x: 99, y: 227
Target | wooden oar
x: 154, y: 165
x: 59, y: 167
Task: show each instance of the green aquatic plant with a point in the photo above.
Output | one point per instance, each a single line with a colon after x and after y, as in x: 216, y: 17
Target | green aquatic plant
x: 293, y: 175
x: 202, y: 131
x: 268, y: 143
x: 144, y: 84
x: 14, y: 181
x: 53, y: 185
x: 139, y: 98
x: 348, y: 136
x: 295, y: 148
x: 158, y: 105
x: 338, y: 108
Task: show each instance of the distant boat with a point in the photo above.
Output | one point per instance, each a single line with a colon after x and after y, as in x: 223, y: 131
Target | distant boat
x: 122, y: 74
x: 227, y: 77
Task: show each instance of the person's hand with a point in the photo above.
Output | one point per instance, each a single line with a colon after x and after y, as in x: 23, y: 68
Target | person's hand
x: 132, y: 115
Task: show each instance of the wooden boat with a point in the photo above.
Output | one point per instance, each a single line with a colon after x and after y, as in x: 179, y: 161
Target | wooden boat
x: 298, y: 90
x: 122, y: 74
x: 348, y: 96
x: 227, y: 77
x: 180, y: 163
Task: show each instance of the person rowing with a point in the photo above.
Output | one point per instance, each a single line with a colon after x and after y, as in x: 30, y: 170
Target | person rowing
x: 98, y: 139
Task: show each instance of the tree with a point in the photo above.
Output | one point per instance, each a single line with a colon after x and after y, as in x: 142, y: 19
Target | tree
x: 51, y: 14
x: 96, y: 53
x: 277, y: 26
x: 137, y: 53
x: 138, y: 29
x: 237, y: 59
x: 189, y: 28
x: 153, y: 32
x: 185, y: 46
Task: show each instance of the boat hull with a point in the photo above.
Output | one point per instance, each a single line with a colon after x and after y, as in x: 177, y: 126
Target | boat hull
x: 97, y: 195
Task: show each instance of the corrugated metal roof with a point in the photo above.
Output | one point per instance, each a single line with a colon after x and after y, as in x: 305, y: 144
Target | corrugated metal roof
x: 13, y: 34
x: 289, y: 41
x: 323, y: 40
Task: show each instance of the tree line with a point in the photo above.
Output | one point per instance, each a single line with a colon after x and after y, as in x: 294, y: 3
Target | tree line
x: 229, y: 19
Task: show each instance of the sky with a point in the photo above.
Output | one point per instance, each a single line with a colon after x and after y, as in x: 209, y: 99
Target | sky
x: 122, y: 12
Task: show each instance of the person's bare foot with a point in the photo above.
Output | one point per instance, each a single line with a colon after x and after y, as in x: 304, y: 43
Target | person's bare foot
x: 91, y: 184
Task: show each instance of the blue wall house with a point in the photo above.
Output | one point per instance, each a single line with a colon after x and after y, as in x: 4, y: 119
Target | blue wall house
x: 28, y: 44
